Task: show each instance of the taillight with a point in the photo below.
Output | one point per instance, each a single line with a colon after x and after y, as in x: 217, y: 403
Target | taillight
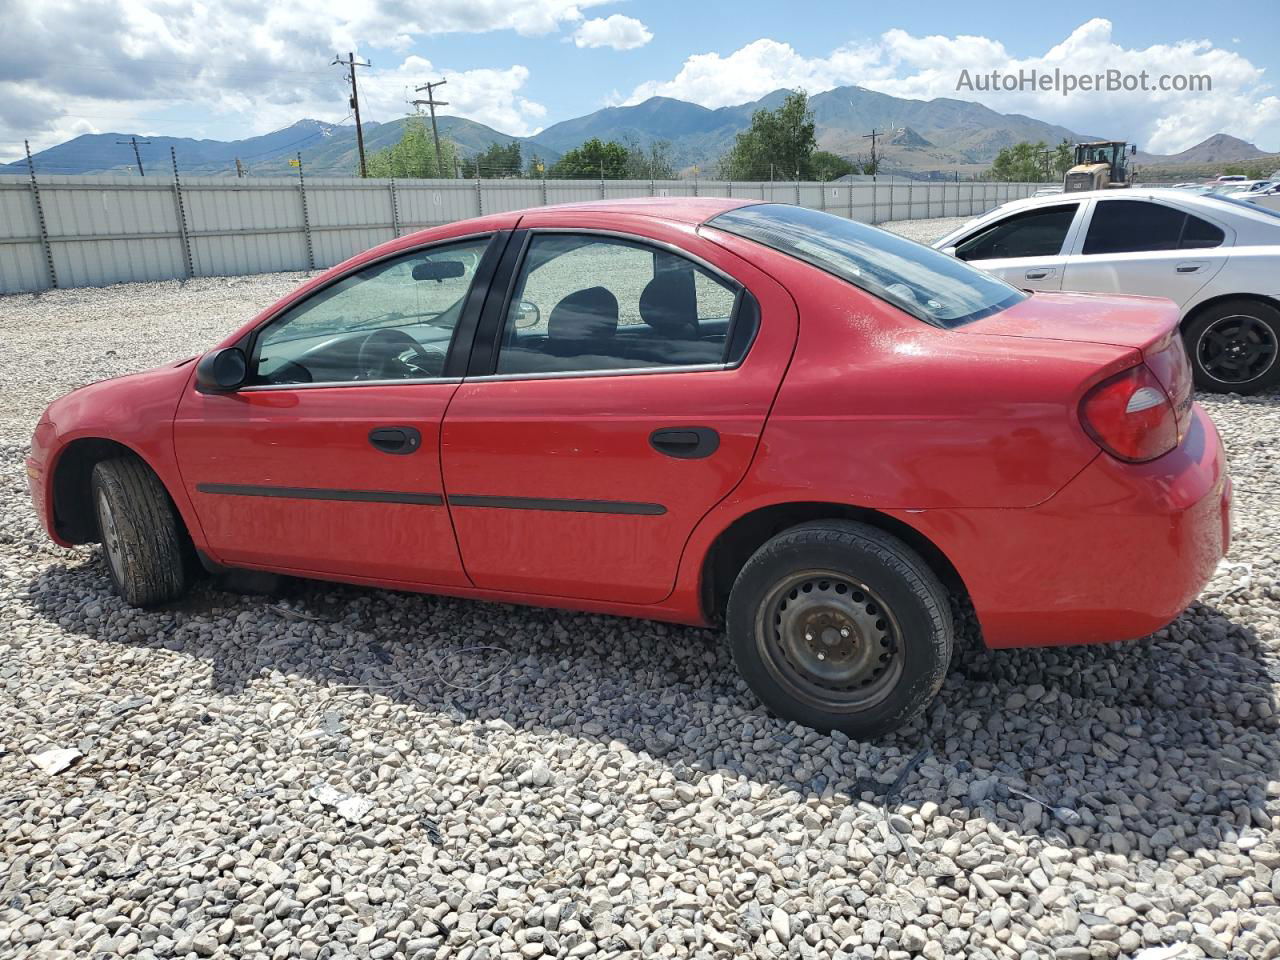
x: 1130, y: 416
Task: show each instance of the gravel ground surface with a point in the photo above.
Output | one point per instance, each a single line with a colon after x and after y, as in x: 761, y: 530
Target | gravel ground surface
x: 337, y: 772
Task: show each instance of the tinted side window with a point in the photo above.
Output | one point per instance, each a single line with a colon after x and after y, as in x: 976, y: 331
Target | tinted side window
x: 1198, y: 234
x: 1127, y: 226
x: 390, y: 321
x: 586, y: 302
x: 1033, y: 233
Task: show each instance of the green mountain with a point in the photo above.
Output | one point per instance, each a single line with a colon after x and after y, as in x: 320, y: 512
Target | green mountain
x: 921, y: 137
x: 327, y: 150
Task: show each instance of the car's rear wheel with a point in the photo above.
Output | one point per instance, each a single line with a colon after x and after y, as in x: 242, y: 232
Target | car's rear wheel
x: 139, y: 531
x: 840, y: 626
x: 1235, y: 347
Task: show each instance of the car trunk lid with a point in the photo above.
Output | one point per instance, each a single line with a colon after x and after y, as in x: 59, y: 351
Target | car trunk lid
x: 1147, y: 325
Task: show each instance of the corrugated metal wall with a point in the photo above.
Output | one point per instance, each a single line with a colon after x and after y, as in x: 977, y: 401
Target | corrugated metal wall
x: 113, y: 229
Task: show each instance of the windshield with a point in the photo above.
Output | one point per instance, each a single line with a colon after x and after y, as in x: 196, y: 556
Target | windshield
x: 929, y: 285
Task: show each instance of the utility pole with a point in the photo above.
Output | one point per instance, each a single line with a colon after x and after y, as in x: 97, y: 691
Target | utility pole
x: 351, y: 63
x: 239, y: 168
x: 431, y: 102
x: 136, y: 155
x: 872, y: 136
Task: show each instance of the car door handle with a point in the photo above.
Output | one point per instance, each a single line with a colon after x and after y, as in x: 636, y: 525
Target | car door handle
x: 1041, y: 273
x: 1189, y: 267
x: 685, y: 443
x: 395, y: 439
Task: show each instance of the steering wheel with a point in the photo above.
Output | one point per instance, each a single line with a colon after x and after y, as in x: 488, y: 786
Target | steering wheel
x: 382, y: 357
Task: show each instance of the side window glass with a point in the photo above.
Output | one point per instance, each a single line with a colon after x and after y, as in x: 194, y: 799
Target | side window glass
x: 390, y: 321
x: 1035, y: 233
x: 1131, y: 226
x: 1199, y: 234
x: 585, y: 302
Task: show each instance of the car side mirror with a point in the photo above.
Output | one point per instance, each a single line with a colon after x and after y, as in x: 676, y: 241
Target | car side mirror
x: 222, y: 370
x: 949, y: 251
x: 527, y: 315
x: 438, y: 270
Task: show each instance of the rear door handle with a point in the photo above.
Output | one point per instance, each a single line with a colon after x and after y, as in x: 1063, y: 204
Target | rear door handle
x: 685, y: 443
x: 399, y: 440
x: 1189, y: 267
x: 1041, y: 273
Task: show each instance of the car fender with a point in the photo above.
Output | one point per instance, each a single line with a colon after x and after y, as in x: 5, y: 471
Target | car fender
x: 135, y: 411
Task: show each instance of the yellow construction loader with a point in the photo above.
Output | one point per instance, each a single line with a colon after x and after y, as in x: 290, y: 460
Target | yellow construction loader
x: 1100, y: 165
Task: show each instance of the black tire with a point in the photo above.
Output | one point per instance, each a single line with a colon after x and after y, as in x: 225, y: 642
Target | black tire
x: 139, y: 532
x: 855, y: 587
x: 1234, y: 346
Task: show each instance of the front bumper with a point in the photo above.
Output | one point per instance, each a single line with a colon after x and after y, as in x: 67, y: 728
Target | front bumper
x: 39, y: 469
x: 1117, y: 554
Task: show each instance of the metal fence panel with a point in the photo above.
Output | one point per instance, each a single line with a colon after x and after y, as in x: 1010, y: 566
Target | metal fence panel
x: 108, y: 229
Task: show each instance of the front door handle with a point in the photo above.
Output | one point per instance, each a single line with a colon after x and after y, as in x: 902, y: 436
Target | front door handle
x: 399, y: 440
x: 685, y: 443
x: 1041, y: 273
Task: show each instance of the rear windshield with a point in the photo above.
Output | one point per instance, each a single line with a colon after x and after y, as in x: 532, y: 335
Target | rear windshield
x: 929, y: 285
x: 1240, y: 203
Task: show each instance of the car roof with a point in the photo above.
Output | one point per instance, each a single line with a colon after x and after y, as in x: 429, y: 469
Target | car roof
x: 692, y: 210
x: 1129, y: 193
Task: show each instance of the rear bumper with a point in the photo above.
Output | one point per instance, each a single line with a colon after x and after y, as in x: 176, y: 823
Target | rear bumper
x: 1117, y: 554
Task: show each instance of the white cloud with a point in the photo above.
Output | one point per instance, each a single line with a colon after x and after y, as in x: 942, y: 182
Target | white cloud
x: 72, y: 66
x: 759, y: 68
x: 1240, y: 102
x: 616, y: 31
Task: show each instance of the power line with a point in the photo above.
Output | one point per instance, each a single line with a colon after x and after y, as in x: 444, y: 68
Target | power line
x: 432, y: 103
x: 351, y: 63
x: 136, y: 154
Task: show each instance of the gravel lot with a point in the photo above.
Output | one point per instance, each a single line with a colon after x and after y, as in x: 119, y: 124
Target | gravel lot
x: 339, y: 772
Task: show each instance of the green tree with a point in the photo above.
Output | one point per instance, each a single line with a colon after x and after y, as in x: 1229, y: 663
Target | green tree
x: 414, y: 156
x: 652, y: 164
x: 1064, y: 157
x: 495, y: 162
x: 593, y: 160
x: 825, y: 165
x: 1021, y: 163
x: 778, y: 144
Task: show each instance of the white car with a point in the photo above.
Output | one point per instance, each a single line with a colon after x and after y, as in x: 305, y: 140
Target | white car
x: 1217, y: 257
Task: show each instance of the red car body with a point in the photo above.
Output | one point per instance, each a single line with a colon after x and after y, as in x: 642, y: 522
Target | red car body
x: 967, y: 442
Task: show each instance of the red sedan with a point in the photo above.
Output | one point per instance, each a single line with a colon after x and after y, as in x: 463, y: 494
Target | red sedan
x: 701, y: 411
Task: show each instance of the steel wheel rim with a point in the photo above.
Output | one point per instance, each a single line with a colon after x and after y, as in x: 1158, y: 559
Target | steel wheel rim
x: 831, y: 641
x: 110, y: 536
x: 1236, y: 349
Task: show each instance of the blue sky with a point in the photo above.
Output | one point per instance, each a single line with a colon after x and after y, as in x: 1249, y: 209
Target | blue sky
x: 229, y: 70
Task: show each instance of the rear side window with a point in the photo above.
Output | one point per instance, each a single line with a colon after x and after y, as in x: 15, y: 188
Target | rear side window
x: 929, y: 285
x: 588, y: 302
x: 1032, y: 233
x: 1137, y: 226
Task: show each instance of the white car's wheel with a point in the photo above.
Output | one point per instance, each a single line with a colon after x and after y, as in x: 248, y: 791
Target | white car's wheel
x: 1234, y: 347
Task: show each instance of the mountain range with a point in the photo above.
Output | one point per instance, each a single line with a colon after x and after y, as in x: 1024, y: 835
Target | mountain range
x: 920, y: 137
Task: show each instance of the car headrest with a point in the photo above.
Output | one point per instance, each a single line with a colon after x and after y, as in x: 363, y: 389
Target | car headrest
x: 669, y: 304
x: 582, y: 319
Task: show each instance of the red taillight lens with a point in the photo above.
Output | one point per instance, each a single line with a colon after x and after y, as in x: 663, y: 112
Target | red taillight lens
x: 1131, y: 416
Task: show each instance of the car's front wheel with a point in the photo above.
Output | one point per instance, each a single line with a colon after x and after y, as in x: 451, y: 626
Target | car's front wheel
x: 138, y: 528
x: 840, y: 626
x: 1235, y: 347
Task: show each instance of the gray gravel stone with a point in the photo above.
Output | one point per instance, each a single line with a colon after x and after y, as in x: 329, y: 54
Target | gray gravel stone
x: 560, y: 784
